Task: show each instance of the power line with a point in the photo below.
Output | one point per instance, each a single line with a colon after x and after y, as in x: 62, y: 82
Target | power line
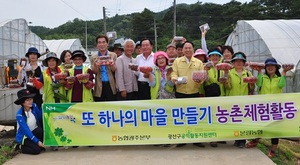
x: 74, y: 9
x: 118, y: 5
x: 159, y: 4
x: 126, y: 11
x: 86, y: 18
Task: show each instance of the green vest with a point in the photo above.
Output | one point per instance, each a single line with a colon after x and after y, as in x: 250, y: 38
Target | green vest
x: 87, y: 95
x: 154, y: 90
x: 213, y: 78
x: 238, y: 86
x: 48, y: 91
x: 269, y: 85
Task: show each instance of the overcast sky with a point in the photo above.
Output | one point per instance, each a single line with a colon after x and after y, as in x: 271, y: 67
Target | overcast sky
x: 52, y: 13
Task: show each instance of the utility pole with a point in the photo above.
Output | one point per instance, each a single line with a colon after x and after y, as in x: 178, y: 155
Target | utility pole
x: 104, y: 20
x: 155, y: 35
x: 86, y: 48
x: 174, y: 25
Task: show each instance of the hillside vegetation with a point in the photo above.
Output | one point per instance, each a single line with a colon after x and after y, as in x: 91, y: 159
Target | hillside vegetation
x: 221, y: 18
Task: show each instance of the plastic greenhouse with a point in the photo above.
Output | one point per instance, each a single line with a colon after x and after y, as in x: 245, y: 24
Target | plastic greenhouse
x: 297, y: 78
x: 16, y: 38
x: 260, y: 39
x: 58, y: 46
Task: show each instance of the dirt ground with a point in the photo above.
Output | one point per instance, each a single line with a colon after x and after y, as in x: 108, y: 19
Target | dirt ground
x: 7, y: 135
x: 143, y: 154
x: 150, y: 153
x: 224, y: 154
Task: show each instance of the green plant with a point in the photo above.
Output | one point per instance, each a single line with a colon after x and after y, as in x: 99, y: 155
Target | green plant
x: 288, y: 155
x: 57, y: 95
x: 6, y: 153
x: 284, y: 153
x: 262, y: 147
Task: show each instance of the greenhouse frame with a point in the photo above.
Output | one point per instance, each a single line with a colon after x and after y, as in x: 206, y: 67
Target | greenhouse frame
x: 58, y: 46
x: 260, y: 39
x: 16, y: 38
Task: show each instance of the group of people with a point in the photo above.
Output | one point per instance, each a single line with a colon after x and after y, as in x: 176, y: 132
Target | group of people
x: 29, y: 134
x: 160, y: 75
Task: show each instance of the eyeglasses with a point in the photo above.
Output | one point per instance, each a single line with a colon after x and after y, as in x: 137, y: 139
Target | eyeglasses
x: 162, y: 58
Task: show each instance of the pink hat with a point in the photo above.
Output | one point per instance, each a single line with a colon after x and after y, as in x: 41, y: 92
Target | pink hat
x: 159, y: 53
x: 199, y: 52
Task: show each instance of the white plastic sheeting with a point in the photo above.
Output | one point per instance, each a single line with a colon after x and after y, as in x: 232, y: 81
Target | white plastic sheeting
x: 260, y: 39
x: 16, y: 38
x: 58, y: 46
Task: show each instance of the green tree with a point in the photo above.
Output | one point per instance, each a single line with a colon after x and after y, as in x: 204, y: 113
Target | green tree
x: 142, y: 25
x: 221, y: 19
